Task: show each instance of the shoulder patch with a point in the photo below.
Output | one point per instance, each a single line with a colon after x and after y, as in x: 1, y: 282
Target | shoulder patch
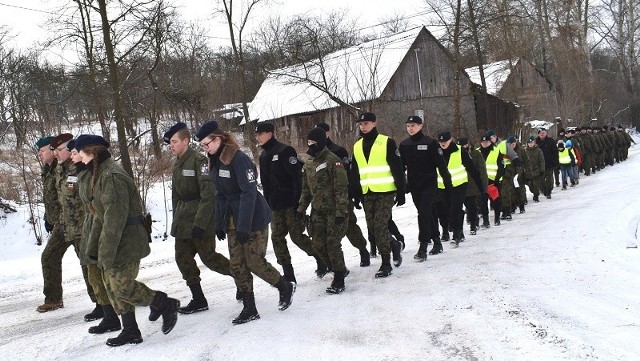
x: 251, y: 176
x: 293, y: 160
x: 345, y: 160
x: 440, y: 151
x: 204, y: 169
x: 339, y: 165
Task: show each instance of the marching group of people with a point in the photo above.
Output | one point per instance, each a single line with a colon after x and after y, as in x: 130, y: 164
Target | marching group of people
x: 92, y: 204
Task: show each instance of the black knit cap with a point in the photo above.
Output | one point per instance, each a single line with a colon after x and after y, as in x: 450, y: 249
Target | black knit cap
x: 265, y: 127
x: 317, y: 135
x: 463, y: 141
x: 531, y: 139
x: 414, y: 119
x: 323, y: 125
x: 60, y: 139
x: 485, y: 138
x: 172, y: 131
x: 511, y: 139
x: 86, y: 140
x: 206, y: 129
x: 366, y: 117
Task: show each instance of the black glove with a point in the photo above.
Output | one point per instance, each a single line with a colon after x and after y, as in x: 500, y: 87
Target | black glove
x: 243, y: 237
x: 339, y: 220
x: 197, y: 233
x: 48, y: 226
x: 356, y: 203
x: 221, y: 235
x: 400, y: 199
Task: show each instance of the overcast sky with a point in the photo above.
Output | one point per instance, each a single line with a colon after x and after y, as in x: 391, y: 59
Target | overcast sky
x: 26, y: 19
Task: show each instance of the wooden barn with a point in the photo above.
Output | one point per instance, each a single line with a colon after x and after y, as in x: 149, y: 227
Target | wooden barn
x: 520, y: 82
x: 408, y: 73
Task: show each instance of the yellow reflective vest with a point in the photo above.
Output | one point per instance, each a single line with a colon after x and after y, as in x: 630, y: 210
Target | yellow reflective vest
x: 375, y: 174
x: 457, y: 170
x: 492, y: 163
x: 564, y: 156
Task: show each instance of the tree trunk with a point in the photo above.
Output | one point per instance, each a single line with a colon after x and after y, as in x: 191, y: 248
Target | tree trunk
x: 115, y: 89
x: 457, y: 118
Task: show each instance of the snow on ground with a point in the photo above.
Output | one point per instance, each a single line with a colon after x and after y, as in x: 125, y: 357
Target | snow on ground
x: 556, y: 283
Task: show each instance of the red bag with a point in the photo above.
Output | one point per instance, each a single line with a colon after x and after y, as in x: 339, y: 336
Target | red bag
x: 493, y: 192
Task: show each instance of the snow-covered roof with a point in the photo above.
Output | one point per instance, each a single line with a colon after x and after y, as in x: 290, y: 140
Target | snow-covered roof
x: 537, y: 124
x: 495, y: 74
x: 352, y: 75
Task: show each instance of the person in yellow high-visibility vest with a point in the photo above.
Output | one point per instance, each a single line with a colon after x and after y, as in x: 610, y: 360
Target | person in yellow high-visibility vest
x: 449, y: 209
x: 495, y: 171
x: 377, y: 169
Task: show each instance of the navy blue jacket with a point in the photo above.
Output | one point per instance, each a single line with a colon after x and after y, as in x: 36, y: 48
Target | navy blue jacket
x: 236, y: 192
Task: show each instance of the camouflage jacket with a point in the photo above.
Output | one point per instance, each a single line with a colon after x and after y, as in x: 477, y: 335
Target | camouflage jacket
x: 50, y: 193
x: 84, y: 187
x: 73, y: 210
x: 116, y: 202
x: 324, y: 184
x: 481, y: 166
x: 192, y: 195
x: 535, y: 162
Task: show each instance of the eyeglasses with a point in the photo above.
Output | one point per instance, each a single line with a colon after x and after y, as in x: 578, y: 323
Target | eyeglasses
x: 60, y: 149
x: 206, y: 145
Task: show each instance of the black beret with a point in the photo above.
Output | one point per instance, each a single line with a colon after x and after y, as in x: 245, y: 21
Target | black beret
x: 561, y: 130
x: 511, y: 139
x: 491, y: 132
x: 541, y: 129
x: 463, y: 141
x: 414, y: 119
x: 364, y: 117
x: 206, y: 129
x: 86, y: 140
x: 578, y: 129
x: 485, y: 138
x: 317, y: 134
x: 172, y: 131
x: 444, y: 136
x: 263, y: 127
x: 323, y: 125
x: 532, y: 139
x: 71, y: 144
x: 60, y: 139
x: 44, y: 141
x: 612, y: 128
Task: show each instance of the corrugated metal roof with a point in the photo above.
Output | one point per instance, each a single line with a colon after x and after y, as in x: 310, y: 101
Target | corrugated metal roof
x: 353, y: 75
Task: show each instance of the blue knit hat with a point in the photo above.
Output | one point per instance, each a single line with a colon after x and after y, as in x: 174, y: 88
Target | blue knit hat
x: 206, y: 129
x: 86, y: 140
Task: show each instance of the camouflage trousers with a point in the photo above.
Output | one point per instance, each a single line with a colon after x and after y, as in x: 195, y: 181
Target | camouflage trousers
x: 123, y: 290
x: 534, y: 185
x: 95, y: 279
x: 284, y: 221
x: 354, y: 233
x: 377, y: 211
x: 547, y: 181
x: 508, y: 191
x: 51, y: 260
x: 249, y: 258
x: 587, y: 163
x: 186, y: 250
x: 521, y: 191
x: 327, y: 237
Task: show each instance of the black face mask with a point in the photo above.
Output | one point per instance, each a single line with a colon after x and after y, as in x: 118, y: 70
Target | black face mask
x: 314, y: 149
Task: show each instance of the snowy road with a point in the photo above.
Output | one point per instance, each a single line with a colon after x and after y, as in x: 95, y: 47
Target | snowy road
x: 556, y: 283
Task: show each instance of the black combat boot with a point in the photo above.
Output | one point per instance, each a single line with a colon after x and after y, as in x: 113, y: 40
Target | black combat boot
x: 337, y: 286
x: 506, y: 216
x: 522, y: 208
x: 168, y: 308
x: 421, y: 256
x: 536, y: 199
x: 396, y: 249
x: 286, y: 290
x: 485, y: 221
x: 238, y: 295
x: 437, y: 248
x: 198, y: 303
x: 322, y: 269
x: 385, y: 268
x: 445, y: 236
x: 96, y: 314
x: 130, y: 332
x: 109, y: 323
x: 289, y: 275
x: 249, y: 311
x: 456, y: 239
x: 365, y: 258
x: 373, y: 248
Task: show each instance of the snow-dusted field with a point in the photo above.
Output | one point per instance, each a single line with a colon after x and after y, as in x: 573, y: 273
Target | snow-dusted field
x: 557, y: 282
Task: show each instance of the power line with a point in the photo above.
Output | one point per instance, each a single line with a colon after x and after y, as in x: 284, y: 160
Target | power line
x: 28, y: 9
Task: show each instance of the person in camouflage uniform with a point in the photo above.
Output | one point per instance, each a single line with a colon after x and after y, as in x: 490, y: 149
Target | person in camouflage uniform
x: 586, y: 149
x: 508, y: 191
x: 550, y: 152
x: 379, y: 184
x: 243, y: 214
x: 618, y: 140
x: 354, y: 233
x: 281, y: 177
x: 55, y: 248
x: 117, y: 241
x: 534, y: 168
x: 472, y: 198
x: 626, y: 144
x: 71, y: 207
x: 324, y: 187
x: 521, y: 190
x: 193, y: 202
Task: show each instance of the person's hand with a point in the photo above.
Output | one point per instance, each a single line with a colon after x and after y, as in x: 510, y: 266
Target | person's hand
x: 197, y: 233
x: 356, y: 203
x: 221, y: 235
x: 243, y: 237
x: 400, y: 200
